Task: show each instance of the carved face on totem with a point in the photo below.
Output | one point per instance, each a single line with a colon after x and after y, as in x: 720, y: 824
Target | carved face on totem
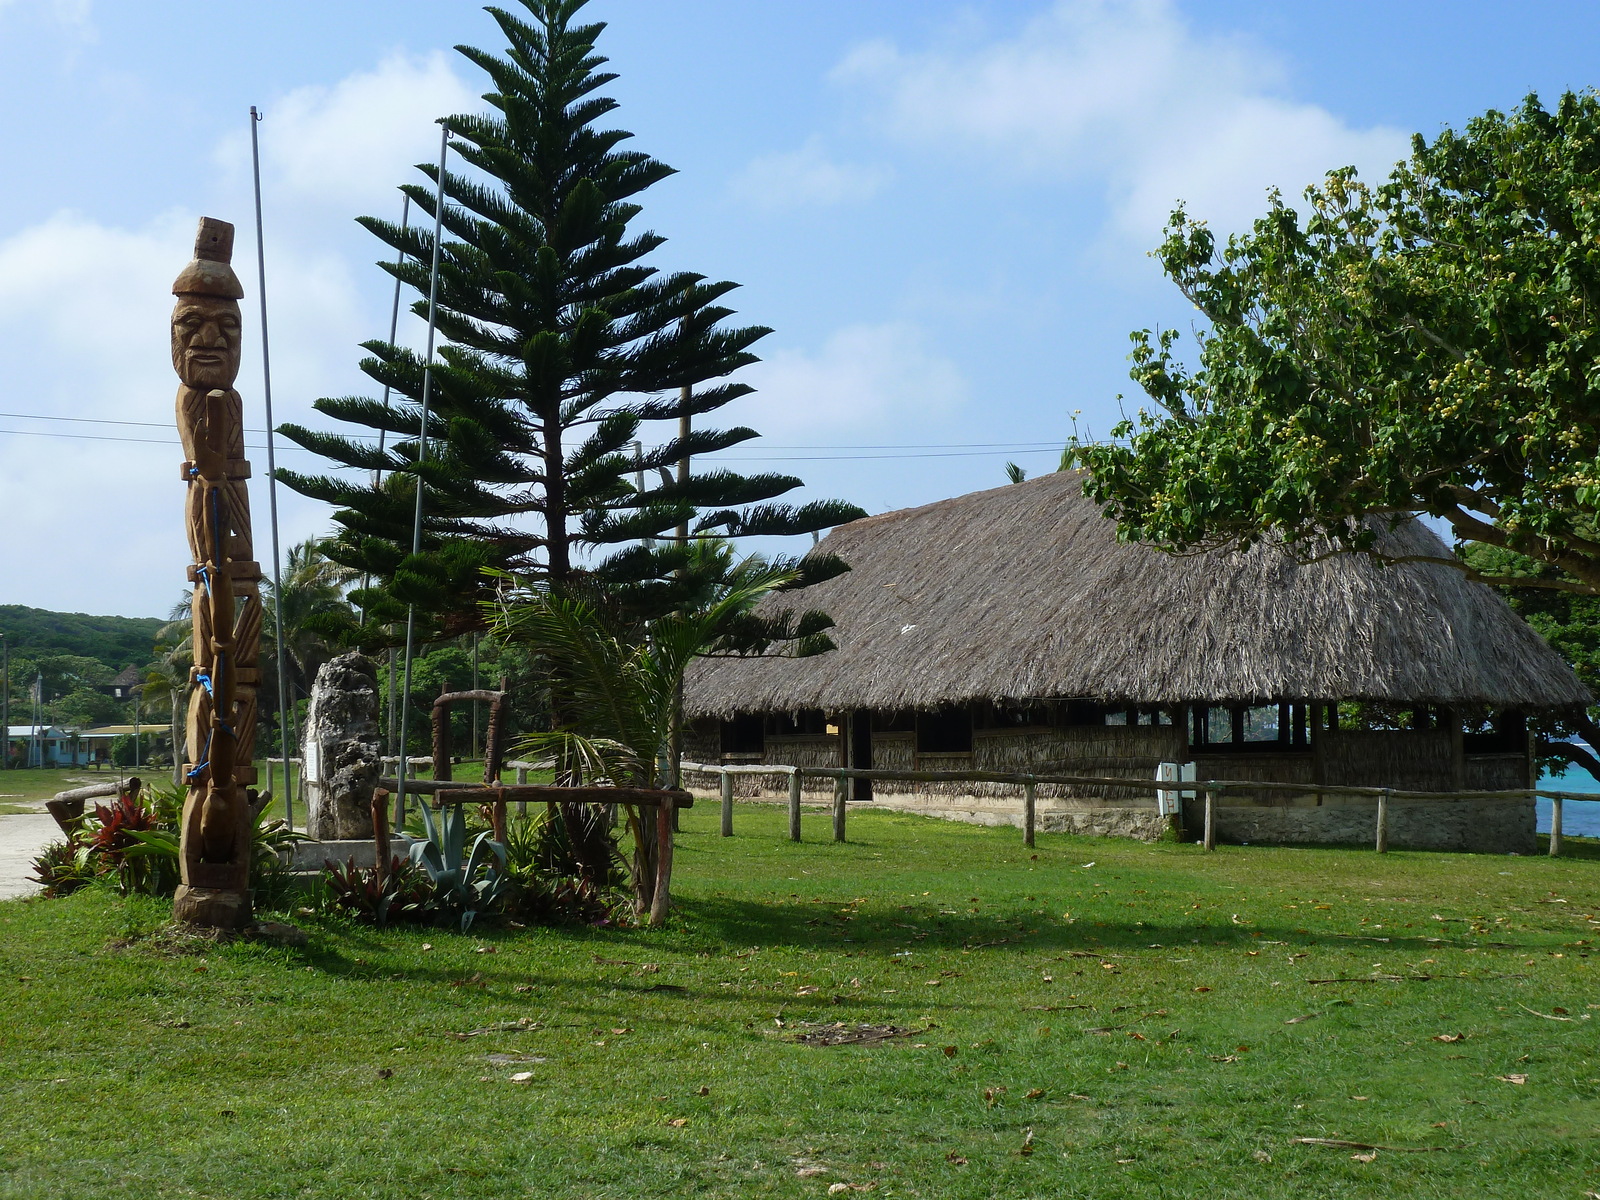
x: 206, y: 341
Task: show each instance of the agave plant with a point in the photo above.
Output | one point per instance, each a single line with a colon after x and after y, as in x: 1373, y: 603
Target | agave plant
x: 462, y: 888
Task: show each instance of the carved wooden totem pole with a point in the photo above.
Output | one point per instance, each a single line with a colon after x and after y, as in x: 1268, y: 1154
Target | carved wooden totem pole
x: 219, y: 812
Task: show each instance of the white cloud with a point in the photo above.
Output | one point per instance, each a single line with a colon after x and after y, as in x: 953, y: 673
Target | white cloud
x: 806, y: 177
x: 75, y: 14
x: 862, y: 376
x: 346, y: 147
x: 1127, y: 92
x: 83, y: 330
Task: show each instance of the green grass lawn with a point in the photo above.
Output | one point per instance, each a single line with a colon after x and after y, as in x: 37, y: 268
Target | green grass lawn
x: 1096, y: 1019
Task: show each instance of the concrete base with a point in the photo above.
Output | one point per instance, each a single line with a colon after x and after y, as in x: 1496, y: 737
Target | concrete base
x: 311, y: 856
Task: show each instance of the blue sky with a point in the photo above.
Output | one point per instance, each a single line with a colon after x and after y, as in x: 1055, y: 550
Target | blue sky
x: 944, y: 211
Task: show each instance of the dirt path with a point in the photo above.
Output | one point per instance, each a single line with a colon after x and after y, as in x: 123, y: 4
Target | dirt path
x: 22, y: 837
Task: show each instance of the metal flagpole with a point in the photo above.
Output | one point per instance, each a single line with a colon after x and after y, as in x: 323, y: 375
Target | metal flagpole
x: 383, y: 434
x: 272, y: 481
x: 422, y: 457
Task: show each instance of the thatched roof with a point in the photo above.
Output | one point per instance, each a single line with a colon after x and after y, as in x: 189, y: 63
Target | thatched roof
x: 1023, y: 591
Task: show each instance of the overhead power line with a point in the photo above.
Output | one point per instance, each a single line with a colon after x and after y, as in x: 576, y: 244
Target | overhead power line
x: 769, y: 452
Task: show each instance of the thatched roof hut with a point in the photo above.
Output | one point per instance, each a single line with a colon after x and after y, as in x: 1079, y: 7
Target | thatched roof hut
x: 1024, y: 591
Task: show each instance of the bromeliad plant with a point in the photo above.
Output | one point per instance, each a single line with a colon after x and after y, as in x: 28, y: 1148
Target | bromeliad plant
x: 402, y: 893
x: 462, y: 887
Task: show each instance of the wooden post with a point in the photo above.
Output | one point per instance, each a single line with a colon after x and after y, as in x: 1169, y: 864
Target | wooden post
x: 522, y: 781
x: 380, y: 833
x: 794, y: 806
x: 1211, y: 819
x: 662, y: 900
x: 1383, y: 822
x: 727, y: 804
x: 1555, y: 826
x: 841, y: 789
x: 441, y: 735
x: 269, y: 777
x: 1030, y: 807
x: 497, y: 816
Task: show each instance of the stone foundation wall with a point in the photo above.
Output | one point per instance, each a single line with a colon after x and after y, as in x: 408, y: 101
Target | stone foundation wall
x: 1051, y: 816
x: 1477, y: 826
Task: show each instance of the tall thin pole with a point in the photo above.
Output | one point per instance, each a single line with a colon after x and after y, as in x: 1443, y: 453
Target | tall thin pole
x: 475, y: 703
x: 394, y: 324
x: 383, y: 434
x: 272, y: 478
x: 675, y: 741
x: 422, y: 457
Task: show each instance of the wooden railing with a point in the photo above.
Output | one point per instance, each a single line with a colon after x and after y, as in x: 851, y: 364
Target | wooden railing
x: 1029, y: 783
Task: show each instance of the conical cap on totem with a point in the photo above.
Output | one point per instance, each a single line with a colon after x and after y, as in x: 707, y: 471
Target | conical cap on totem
x: 210, y: 274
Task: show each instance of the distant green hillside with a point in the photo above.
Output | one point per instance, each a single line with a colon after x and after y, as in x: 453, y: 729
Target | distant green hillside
x: 115, y: 641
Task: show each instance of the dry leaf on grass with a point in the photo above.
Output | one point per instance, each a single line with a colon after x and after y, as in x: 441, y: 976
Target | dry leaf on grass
x: 678, y: 1122
x: 1517, y: 1079
x: 1027, y: 1144
x: 1261, y: 1156
x: 955, y: 1158
x: 839, y: 1189
x: 704, y: 1091
x: 1449, y: 1037
x: 1365, y: 1158
x: 1035, y: 1094
x: 810, y: 1172
x: 522, y: 1077
x: 1301, y: 1017
x: 949, y: 1051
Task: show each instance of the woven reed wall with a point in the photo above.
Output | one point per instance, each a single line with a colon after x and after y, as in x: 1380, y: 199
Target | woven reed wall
x: 1496, y: 772
x: 1412, y: 760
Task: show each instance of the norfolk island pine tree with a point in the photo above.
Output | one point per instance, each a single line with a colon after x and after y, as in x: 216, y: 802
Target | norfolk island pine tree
x: 560, y: 344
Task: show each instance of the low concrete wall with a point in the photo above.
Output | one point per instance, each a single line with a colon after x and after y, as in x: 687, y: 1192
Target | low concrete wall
x: 1476, y: 826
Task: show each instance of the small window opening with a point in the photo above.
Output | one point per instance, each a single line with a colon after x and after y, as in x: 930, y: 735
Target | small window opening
x: 944, y: 731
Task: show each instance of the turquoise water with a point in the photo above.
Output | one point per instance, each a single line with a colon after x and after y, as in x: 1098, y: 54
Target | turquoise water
x: 1579, y: 818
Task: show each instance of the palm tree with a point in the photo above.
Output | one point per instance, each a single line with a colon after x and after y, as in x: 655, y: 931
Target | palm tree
x: 620, y: 692
x: 316, y: 615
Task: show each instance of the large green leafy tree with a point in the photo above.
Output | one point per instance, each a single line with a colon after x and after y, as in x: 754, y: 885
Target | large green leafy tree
x: 1429, y: 345
x: 1570, y: 622
x: 562, y: 344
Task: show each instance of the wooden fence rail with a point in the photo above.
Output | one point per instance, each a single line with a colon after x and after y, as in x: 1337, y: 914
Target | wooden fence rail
x: 1210, y: 788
